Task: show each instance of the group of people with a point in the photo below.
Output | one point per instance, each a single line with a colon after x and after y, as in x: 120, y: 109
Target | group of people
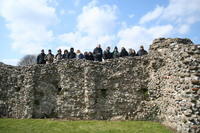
x: 97, y: 55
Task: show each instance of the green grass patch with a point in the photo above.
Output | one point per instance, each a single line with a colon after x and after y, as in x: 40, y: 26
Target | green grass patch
x: 56, y: 126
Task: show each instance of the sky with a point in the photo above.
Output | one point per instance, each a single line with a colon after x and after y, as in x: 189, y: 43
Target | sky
x: 27, y: 26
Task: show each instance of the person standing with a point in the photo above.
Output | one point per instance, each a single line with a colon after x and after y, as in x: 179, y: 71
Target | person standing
x: 97, y: 53
x: 123, y: 52
x: 65, y: 55
x: 79, y: 55
x: 132, y: 52
x: 58, y: 56
x: 41, y: 57
x: 116, y: 53
x: 142, y: 52
x: 107, y: 54
x: 90, y: 56
x: 71, y: 54
x: 49, y: 57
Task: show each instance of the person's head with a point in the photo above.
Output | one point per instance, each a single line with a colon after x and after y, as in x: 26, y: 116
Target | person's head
x: 65, y: 51
x: 99, y: 46
x: 123, y: 48
x: 115, y: 49
x: 59, y: 51
x: 141, y: 47
x: 49, y: 51
x: 71, y: 49
x: 90, y: 53
x: 85, y: 53
x: 78, y: 51
x: 108, y: 48
x: 42, y: 51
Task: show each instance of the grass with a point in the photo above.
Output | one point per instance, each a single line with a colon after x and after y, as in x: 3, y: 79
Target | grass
x: 55, y: 126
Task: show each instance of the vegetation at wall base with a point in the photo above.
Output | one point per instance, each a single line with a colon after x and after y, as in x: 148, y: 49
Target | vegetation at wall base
x: 60, y: 126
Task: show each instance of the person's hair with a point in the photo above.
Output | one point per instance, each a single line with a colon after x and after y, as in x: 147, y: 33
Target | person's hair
x: 78, y: 51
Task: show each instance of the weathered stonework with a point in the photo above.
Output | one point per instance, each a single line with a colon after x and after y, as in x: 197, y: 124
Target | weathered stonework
x: 161, y: 86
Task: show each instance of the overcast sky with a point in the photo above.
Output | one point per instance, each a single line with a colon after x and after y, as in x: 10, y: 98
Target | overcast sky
x: 27, y: 26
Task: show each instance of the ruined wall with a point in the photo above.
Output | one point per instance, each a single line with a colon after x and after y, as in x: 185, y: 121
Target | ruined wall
x: 174, y: 83
x: 162, y: 86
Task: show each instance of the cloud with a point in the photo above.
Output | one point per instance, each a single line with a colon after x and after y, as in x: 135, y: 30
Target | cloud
x: 182, y: 13
x: 131, y: 15
x: 96, y: 20
x: 69, y: 12
x: 152, y: 15
x: 95, y: 24
x: 135, y: 36
x: 11, y: 61
x: 28, y: 22
x: 183, y: 29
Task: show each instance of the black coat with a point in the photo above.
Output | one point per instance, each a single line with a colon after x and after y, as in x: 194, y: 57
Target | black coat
x: 91, y: 57
x: 107, y: 55
x: 123, y: 53
x: 97, y: 53
x: 65, y: 56
x: 71, y: 55
x: 142, y: 52
x: 41, y: 59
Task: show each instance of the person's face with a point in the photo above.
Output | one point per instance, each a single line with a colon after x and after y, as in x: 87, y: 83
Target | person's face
x: 49, y: 51
x: 99, y: 46
x: 108, y: 48
x: 141, y: 48
x: 42, y: 51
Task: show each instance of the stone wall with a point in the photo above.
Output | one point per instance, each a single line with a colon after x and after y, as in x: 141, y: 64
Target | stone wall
x: 161, y: 86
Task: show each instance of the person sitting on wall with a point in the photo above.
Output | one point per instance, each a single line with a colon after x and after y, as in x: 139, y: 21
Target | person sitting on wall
x: 142, y: 52
x: 91, y: 57
x: 71, y: 54
x: 123, y: 52
x: 107, y: 54
x: 115, y: 53
x: 132, y: 52
x: 97, y: 53
x: 41, y: 57
x: 49, y: 57
x: 65, y: 55
x: 79, y: 55
x: 59, y: 55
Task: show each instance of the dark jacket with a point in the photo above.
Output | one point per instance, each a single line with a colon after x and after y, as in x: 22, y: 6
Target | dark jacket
x: 123, y: 53
x: 80, y: 56
x: 71, y: 55
x: 91, y: 57
x: 97, y: 53
x: 142, y: 52
x: 116, y: 54
x: 86, y: 56
x: 41, y: 59
x: 65, y: 56
x: 107, y: 55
